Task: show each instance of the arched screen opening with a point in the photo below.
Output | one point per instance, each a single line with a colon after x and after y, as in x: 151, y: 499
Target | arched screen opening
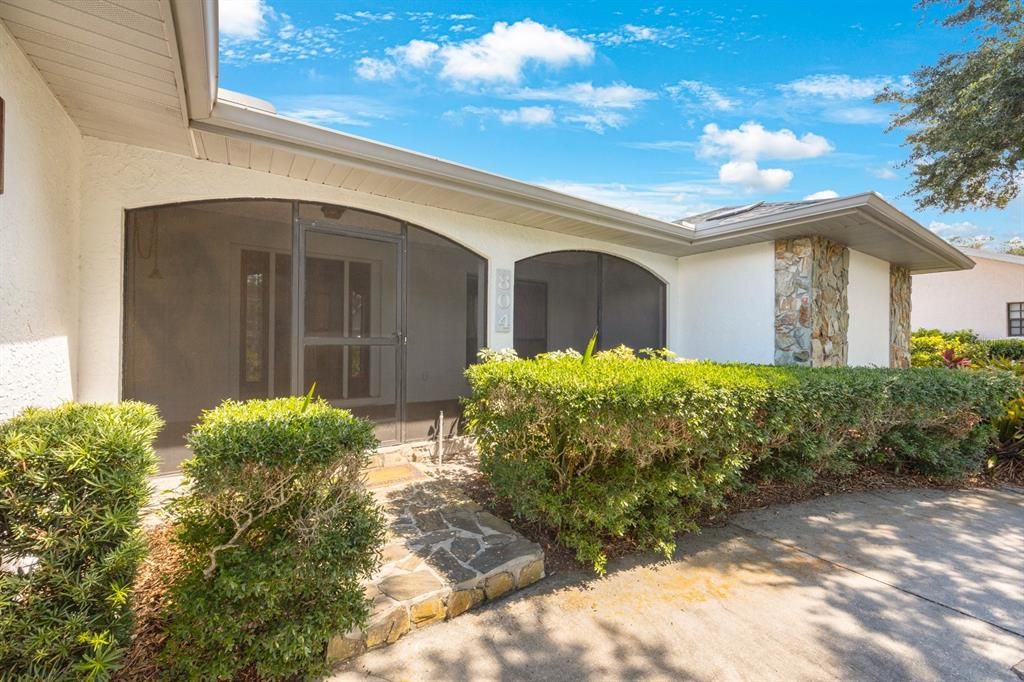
x: 562, y: 297
x: 383, y: 316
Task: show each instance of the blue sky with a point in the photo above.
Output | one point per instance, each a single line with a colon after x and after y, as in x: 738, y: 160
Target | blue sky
x: 667, y: 110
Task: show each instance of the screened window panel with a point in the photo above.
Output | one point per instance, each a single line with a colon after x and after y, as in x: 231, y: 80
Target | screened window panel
x: 562, y: 298
x: 445, y: 318
x: 632, y: 306
x: 207, y: 310
x: 571, y: 280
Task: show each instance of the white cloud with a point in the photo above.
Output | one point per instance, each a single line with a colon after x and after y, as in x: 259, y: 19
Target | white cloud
x: 838, y: 86
x: 958, y: 229
x: 530, y: 116
x: 598, y: 121
x: 525, y: 116
x: 702, y: 94
x: 499, y: 56
x: 615, y: 96
x: 751, y: 142
x: 461, y: 17
x: 503, y: 53
x: 857, y: 115
x: 415, y: 53
x: 884, y: 173
x: 629, y: 34
x: 334, y: 110
x: 823, y: 194
x: 263, y: 35
x: 747, y: 174
x: 662, y: 145
x: 365, y: 17
x: 666, y: 201
x: 373, y: 69
x: 242, y: 19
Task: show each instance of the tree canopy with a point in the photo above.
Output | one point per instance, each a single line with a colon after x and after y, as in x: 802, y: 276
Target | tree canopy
x: 966, y: 113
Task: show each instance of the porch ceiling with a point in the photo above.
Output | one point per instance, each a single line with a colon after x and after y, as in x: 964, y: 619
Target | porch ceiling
x: 112, y: 64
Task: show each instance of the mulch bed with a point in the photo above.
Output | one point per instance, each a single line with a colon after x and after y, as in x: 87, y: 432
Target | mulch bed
x: 149, y: 598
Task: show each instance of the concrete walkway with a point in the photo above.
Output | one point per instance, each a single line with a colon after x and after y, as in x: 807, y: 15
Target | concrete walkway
x: 914, y: 585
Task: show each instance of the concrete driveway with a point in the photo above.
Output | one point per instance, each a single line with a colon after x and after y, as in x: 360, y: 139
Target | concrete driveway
x: 893, y: 585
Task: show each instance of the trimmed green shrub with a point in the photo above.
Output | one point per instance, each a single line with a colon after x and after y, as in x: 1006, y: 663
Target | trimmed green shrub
x: 1003, y: 349
x: 277, y: 534
x: 637, y: 449
x: 73, y: 481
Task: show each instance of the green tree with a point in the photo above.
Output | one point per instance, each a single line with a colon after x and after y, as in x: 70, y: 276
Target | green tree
x: 966, y: 113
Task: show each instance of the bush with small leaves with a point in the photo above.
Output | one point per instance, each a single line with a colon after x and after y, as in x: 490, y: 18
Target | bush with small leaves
x: 277, y: 534
x: 73, y: 481
x: 636, y: 449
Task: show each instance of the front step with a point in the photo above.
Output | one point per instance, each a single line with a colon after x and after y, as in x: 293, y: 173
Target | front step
x: 445, y: 555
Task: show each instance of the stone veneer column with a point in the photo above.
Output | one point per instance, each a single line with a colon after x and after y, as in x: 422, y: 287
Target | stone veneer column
x: 899, y: 316
x: 811, y: 312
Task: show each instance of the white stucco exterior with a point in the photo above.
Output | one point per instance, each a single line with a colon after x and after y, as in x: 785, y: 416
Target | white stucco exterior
x: 726, y: 305
x: 117, y: 177
x: 969, y: 299
x: 39, y: 218
x: 868, y: 301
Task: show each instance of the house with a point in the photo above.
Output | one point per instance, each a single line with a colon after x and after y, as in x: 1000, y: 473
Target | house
x: 988, y: 299
x: 165, y: 240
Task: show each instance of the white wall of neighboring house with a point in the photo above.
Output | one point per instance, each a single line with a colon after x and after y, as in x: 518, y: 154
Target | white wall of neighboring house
x: 39, y: 217
x: 969, y: 299
x: 868, y: 300
x: 117, y: 177
x: 727, y: 305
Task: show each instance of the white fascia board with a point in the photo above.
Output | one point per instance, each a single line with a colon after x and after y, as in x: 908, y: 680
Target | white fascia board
x: 868, y: 204
x: 196, y: 27
x: 232, y: 119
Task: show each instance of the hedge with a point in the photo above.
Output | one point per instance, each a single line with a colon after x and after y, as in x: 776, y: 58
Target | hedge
x: 927, y: 347
x: 631, y: 448
x: 277, y: 534
x: 73, y: 481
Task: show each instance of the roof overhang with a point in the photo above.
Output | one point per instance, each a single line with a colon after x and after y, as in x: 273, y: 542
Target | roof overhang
x: 864, y: 222
x: 976, y: 254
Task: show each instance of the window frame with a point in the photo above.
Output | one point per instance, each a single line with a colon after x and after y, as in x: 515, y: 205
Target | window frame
x: 1019, y: 320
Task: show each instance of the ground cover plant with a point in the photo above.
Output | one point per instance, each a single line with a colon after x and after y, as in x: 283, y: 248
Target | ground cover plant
x: 615, y: 446
x: 73, y: 481
x: 275, y: 535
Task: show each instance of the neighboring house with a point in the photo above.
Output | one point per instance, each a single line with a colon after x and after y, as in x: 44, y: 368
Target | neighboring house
x: 167, y: 241
x: 988, y: 299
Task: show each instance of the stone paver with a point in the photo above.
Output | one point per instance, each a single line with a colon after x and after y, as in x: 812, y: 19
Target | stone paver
x: 444, y: 556
x: 888, y: 586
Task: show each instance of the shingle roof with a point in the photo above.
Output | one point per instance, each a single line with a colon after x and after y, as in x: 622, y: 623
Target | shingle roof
x: 735, y: 214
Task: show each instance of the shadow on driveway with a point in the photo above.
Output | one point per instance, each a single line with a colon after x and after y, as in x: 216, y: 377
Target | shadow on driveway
x: 904, y: 585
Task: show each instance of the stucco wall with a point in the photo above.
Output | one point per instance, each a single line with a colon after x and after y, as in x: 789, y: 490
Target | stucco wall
x: 117, y: 176
x: 968, y: 299
x: 868, y: 300
x: 726, y: 305
x: 39, y: 211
